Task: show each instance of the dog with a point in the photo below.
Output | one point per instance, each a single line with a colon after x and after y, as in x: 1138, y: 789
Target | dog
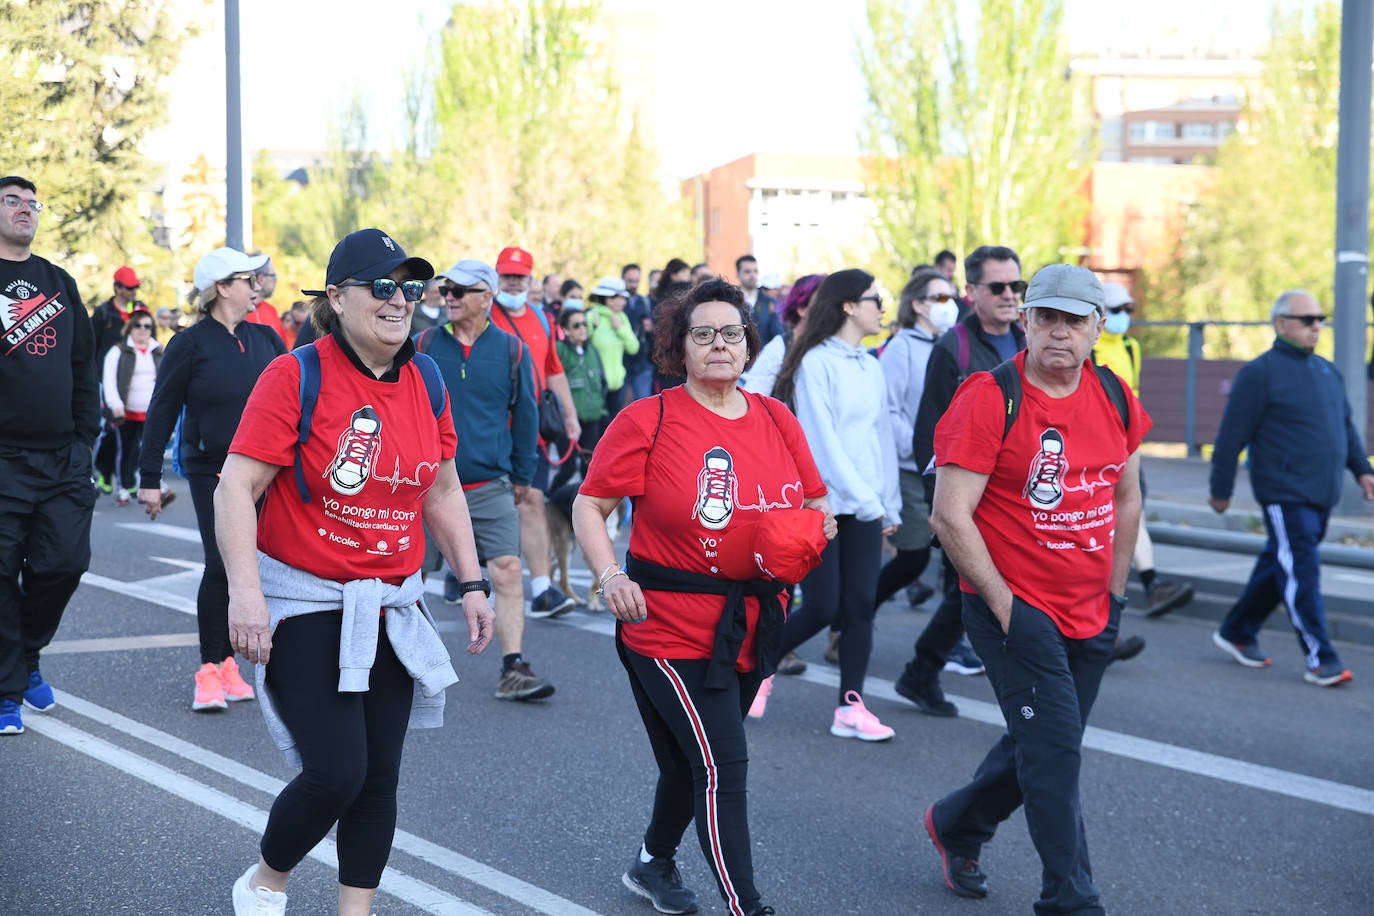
x: 561, y: 543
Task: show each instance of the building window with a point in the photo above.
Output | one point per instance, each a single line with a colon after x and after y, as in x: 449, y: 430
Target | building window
x: 1199, y: 130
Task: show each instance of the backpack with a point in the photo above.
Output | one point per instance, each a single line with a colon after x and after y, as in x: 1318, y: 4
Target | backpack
x: 309, y: 359
x: 1009, y: 380
x: 426, y: 340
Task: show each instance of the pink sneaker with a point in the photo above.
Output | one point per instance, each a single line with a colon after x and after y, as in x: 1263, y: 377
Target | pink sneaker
x: 761, y: 698
x: 235, y: 688
x: 209, y: 689
x: 855, y: 721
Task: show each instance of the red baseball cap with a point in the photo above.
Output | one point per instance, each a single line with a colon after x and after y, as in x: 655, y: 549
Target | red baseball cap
x: 514, y: 261
x: 125, y: 276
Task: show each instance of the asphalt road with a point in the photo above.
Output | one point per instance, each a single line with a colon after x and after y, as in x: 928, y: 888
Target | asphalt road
x: 1207, y: 788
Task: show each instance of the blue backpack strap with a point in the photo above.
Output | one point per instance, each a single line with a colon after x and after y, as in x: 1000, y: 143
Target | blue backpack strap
x: 309, y: 359
x: 434, y: 381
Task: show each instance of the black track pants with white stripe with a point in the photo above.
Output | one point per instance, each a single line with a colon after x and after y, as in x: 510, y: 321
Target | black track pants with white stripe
x: 703, y: 764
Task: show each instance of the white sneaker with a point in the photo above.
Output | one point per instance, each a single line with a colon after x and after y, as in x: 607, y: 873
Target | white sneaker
x: 257, y: 901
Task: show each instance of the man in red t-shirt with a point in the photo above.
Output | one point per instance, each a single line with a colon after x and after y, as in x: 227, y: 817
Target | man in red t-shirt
x: 1040, y: 520
x: 514, y: 315
x: 265, y: 312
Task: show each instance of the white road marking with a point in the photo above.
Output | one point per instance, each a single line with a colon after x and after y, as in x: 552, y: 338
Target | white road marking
x: 446, y: 859
x: 123, y: 643
x: 162, y: 529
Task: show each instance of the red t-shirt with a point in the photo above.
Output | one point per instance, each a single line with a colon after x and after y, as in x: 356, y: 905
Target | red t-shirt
x: 530, y: 329
x: 1048, y: 515
x: 266, y: 313
x: 680, y: 518
x: 373, y: 453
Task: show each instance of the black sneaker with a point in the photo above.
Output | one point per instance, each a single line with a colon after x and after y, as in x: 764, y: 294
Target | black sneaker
x: 927, y: 696
x: 918, y: 594
x: 963, y: 660
x: 1167, y: 596
x: 963, y: 876
x: 552, y: 603
x: 659, y: 882
x: 1127, y: 647
x: 521, y: 683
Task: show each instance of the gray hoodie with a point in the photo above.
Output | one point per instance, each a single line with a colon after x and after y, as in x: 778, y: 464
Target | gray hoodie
x: 414, y: 638
x: 841, y: 398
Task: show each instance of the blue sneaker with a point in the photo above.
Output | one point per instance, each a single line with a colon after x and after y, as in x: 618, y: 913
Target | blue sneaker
x: 451, y: 593
x: 552, y: 603
x: 963, y: 660
x: 38, y: 695
x: 11, y: 722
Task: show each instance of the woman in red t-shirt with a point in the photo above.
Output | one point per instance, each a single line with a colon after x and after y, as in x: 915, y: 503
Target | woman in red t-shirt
x: 341, y: 538
x: 702, y: 462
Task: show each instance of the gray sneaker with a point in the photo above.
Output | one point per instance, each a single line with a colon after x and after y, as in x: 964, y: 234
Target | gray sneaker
x: 658, y: 881
x: 1250, y: 656
x: 1166, y: 596
x: 520, y: 683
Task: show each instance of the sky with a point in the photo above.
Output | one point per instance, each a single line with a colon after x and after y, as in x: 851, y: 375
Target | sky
x: 732, y: 76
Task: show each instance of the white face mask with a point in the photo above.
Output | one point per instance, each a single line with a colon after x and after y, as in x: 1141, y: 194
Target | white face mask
x: 943, y: 315
x: 1117, y: 323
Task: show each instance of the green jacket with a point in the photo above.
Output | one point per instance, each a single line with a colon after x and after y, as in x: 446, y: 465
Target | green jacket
x: 586, y: 378
x: 612, y: 345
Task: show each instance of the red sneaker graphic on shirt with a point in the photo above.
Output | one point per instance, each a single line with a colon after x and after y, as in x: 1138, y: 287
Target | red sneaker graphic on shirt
x: 1043, y: 488
x: 358, y: 448
x: 715, y: 490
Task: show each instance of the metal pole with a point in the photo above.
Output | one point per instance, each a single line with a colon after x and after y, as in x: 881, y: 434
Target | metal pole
x: 234, y: 209
x: 1352, y: 213
x: 1195, y: 330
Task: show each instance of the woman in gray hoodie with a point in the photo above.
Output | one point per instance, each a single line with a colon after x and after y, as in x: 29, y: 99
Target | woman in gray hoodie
x: 839, y: 394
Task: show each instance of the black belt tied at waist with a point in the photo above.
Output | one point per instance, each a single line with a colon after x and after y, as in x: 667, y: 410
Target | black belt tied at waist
x: 733, y: 626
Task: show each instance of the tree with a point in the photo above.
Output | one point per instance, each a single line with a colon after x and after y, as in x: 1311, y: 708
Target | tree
x: 81, y: 85
x: 1267, y: 223
x: 976, y: 134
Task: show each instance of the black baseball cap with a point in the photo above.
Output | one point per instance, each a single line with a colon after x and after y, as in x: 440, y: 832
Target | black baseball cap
x: 367, y: 255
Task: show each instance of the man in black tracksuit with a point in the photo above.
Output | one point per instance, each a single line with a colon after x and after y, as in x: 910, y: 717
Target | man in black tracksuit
x: 990, y: 334
x: 48, y: 421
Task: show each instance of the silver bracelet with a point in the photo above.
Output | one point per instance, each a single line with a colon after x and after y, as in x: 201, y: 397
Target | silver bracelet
x: 601, y: 586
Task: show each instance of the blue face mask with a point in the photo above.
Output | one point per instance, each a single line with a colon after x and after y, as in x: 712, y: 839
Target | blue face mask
x: 572, y: 304
x: 1117, y: 323
x: 511, y: 300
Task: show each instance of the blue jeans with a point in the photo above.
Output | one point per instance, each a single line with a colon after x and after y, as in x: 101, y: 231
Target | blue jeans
x: 1288, y: 570
x: 641, y: 381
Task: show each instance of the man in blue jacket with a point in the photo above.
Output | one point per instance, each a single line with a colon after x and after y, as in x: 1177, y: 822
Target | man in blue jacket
x: 1289, y: 407
x: 491, y: 394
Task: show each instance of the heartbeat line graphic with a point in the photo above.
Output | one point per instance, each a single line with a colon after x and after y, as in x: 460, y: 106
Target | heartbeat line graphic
x: 766, y: 505
x: 396, y: 480
x: 1091, y: 487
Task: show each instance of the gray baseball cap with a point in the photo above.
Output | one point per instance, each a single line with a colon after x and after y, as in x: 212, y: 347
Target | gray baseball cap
x: 1067, y: 288
x: 470, y: 272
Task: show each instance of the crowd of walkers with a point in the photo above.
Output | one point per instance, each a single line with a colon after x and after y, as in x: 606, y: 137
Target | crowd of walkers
x: 771, y: 444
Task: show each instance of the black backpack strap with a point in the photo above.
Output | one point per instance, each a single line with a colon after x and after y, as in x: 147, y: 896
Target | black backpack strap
x: 657, y: 427
x: 1009, y: 380
x: 1111, y: 383
x: 514, y: 354
x: 309, y: 359
x: 425, y: 339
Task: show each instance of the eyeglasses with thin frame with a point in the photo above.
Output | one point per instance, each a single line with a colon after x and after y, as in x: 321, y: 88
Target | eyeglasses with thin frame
x: 998, y: 287
x: 1307, y: 320
x: 14, y: 202
x: 458, y: 292
x: 940, y: 298
x: 384, y: 288
x: 703, y: 335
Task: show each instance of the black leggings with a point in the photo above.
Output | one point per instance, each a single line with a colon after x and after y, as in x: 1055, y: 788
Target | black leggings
x: 212, y: 601
x: 698, y: 740
x: 126, y: 457
x: 899, y: 572
x: 350, y: 746
x: 842, y: 589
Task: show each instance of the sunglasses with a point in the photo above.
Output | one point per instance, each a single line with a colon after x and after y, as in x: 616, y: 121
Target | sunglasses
x: 458, y: 292
x: 997, y: 287
x: 941, y: 298
x: 384, y: 288
x: 1307, y: 320
x: 143, y: 326
x: 704, y: 335
x: 251, y: 278
x: 1122, y: 309
x: 875, y: 299
x: 574, y: 325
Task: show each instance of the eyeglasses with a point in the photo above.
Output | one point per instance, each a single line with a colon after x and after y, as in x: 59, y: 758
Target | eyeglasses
x: 458, y: 292
x: 704, y: 335
x: 574, y: 325
x: 384, y: 288
x: 1121, y: 310
x: 997, y: 287
x: 251, y: 278
x: 875, y: 299
x: 14, y: 202
x: 1307, y: 320
x: 941, y: 298
x: 143, y: 326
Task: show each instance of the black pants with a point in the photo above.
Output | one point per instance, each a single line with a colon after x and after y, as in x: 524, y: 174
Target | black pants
x: 942, y: 632
x: 1046, y: 685
x: 212, y: 600
x: 350, y: 746
x: 899, y: 572
x: 46, y: 498
x: 106, y: 449
x: 698, y: 740
x: 127, y: 442
x: 841, y: 590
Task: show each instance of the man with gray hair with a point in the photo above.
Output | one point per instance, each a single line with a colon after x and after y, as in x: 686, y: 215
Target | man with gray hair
x: 1037, y: 502
x: 1289, y: 407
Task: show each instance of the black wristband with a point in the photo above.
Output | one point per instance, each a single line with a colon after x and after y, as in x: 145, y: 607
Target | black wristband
x: 475, y: 585
x: 1123, y: 599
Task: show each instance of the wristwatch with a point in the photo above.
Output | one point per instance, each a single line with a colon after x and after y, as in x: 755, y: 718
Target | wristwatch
x: 475, y: 585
